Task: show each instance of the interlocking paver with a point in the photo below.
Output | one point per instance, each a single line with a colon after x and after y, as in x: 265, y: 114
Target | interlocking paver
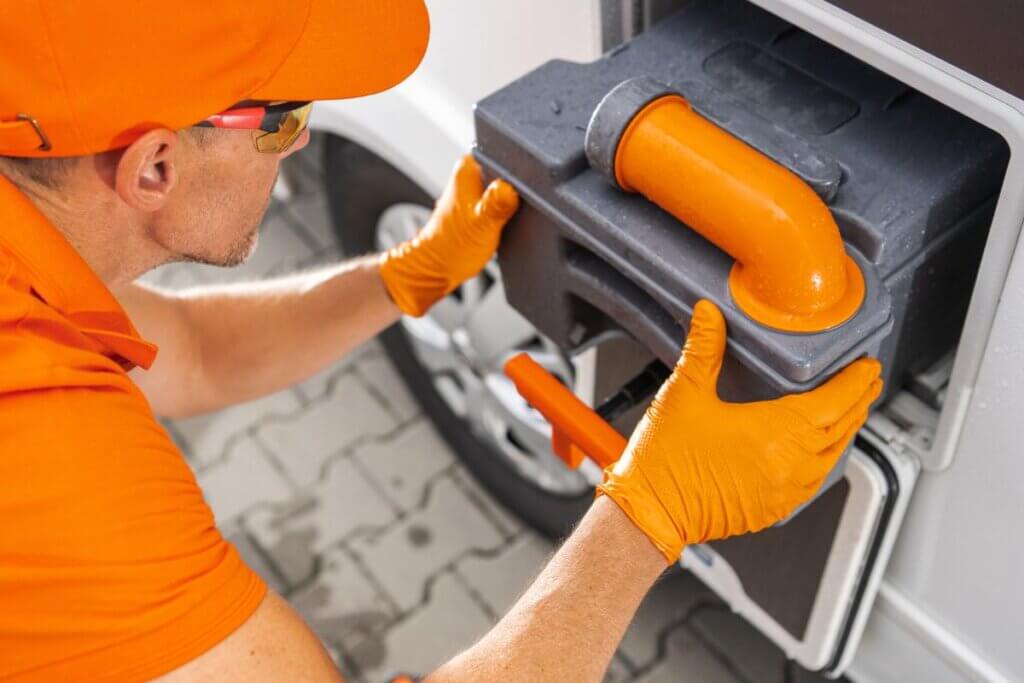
x: 618, y: 672
x: 244, y: 477
x: 405, y: 555
x: 492, y: 509
x: 342, y: 602
x: 761, y: 661
x: 402, y: 464
x: 343, y: 502
x: 305, y: 443
x: 206, y: 436
x: 446, y: 624
x: 380, y: 377
x: 686, y: 659
x: 317, y: 386
x: 500, y: 578
x: 671, y: 600
x: 290, y: 546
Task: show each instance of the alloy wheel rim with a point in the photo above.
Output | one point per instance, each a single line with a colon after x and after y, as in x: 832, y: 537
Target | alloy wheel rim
x: 463, y: 343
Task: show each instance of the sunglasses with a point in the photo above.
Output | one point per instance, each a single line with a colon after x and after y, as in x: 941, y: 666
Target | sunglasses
x: 275, y: 127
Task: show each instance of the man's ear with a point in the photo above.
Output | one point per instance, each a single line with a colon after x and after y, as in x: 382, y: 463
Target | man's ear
x: 146, y: 172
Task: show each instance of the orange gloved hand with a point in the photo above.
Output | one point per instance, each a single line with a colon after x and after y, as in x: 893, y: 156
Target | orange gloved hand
x: 699, y: 469
x: 456, y: 243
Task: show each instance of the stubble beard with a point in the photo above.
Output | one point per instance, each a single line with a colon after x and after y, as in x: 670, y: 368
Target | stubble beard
x: 242, y: 250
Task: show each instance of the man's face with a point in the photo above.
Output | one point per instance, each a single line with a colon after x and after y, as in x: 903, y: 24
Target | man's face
x: 223, y: 190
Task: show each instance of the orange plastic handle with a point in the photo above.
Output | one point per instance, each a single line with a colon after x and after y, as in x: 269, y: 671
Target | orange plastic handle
x: 576, y: 429
x: 792, y: 271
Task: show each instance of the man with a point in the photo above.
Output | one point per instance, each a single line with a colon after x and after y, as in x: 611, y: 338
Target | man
x: 130, y: 138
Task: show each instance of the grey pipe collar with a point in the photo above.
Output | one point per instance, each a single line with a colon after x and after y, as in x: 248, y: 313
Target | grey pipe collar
x: 611, y: 117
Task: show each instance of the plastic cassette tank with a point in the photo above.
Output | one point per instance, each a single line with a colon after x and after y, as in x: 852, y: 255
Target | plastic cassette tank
x: 910, y: 184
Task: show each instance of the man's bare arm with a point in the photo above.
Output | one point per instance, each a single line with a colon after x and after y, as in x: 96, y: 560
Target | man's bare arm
x: 567, y: 626
x: 221, y: 345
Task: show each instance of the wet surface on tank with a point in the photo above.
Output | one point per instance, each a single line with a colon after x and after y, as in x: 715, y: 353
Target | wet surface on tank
x: 910, y: 183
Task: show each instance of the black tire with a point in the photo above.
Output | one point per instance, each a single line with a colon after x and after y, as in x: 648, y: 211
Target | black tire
x: 360, y: 187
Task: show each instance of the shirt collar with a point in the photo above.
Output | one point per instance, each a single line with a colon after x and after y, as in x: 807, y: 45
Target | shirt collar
x: 65, y: 281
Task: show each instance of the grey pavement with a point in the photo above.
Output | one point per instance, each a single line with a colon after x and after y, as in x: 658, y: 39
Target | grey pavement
x: 341, y: 494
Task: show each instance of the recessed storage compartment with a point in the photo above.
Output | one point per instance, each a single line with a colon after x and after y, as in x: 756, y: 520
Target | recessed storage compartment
x: 911, y: 186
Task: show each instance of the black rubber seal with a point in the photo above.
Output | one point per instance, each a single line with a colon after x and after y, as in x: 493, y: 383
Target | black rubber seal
x: 893, y: 483
x: 611, y: 117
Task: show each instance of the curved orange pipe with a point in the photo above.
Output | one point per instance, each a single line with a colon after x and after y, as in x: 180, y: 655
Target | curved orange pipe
x: 792, y: 271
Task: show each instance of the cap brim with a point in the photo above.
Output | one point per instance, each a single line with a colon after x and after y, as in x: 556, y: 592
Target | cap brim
x: 351, y: 48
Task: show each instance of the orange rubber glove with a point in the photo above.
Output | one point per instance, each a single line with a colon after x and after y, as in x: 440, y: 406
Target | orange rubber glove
x: 456, y: 243
x: 699, y: 469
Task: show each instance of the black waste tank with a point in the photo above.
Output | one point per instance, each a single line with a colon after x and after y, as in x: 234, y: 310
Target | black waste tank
x: 910, y: 183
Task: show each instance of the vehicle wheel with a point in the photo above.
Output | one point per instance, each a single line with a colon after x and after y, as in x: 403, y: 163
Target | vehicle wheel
x: 451, y: 358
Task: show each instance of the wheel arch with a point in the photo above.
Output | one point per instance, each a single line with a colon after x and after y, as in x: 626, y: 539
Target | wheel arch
x: 421, y: 136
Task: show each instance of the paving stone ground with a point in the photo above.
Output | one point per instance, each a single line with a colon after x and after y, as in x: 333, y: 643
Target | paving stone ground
x: 341, y: 494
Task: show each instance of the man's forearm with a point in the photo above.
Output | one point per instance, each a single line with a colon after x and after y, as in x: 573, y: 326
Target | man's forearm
x: 567, y: 626
x: 225, y: 344
x: 260, y: 337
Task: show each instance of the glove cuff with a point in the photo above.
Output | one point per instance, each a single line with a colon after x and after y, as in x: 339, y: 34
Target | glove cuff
x: 651, y: 521
x: 389, y: 264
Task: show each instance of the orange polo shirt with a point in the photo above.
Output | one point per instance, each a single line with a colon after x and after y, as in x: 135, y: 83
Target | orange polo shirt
x: 111, y: 566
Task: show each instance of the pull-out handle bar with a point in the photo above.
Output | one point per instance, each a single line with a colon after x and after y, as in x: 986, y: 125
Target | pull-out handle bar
x: 578, y: 431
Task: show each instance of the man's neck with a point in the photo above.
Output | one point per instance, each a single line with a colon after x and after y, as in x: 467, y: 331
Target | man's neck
x: 115, y: 249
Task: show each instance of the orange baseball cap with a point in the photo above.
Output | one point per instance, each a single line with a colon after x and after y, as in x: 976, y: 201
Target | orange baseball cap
x: 85, y: 77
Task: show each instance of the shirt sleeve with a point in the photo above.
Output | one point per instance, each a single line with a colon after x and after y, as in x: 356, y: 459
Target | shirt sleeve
x: 111, y: 565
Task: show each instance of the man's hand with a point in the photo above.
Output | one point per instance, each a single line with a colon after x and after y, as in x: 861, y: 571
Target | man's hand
x: 699, y: 469
x: 456, y: 243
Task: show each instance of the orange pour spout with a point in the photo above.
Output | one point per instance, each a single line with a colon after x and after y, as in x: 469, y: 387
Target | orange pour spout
x: 792, y: 271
